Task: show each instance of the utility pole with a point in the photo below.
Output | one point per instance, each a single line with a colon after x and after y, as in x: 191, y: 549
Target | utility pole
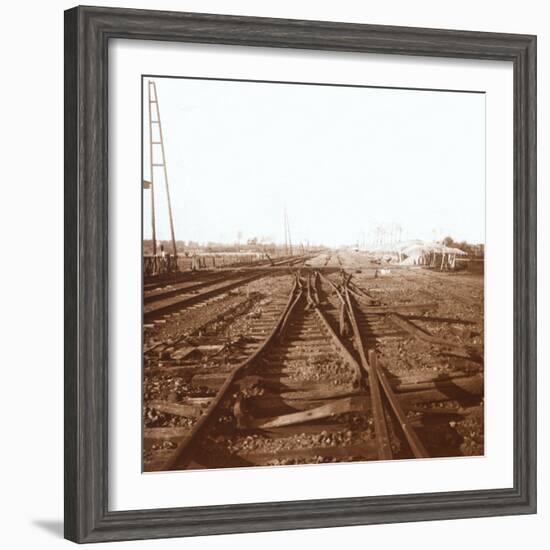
x: 288, y: 240
x: 152, y: 183
x: 154, y: 119
x: 286, y: 234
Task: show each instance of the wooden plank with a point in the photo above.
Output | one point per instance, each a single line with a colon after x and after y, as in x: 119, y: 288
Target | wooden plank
x: 282, y: 383
x: 345, y: 390
x: 412, y: 379
x: 211, y: 380
x: 183, y: 352
x: 304, y: 389
x: 472, y: 390
x: 178, y: 409
x: 339, y: 406
x: 165, y: 433
x: 439, y: 411
x: 465, y: 383
x: 187, y: 371
x: 270, y: 404
x: 290, y: 356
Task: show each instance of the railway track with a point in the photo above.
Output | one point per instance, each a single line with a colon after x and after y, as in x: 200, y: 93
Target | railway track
x: 173, y: 304
x: 335, y: 258
x: 382, y: 396
x: 158, y: 282
x: 307, y: 387
x: 167, y: 291
x: 279, y: 377
x: 162, y: 301
x: 380, y: 322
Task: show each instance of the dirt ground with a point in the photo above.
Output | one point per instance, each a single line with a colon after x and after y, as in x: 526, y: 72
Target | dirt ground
x: 211, y: 337
x: 457, y: 315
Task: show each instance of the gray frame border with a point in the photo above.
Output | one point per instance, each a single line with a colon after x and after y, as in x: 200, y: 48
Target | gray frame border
x: 87, y: 34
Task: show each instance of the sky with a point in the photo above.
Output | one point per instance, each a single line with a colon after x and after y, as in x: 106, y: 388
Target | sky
x: 342, y: 161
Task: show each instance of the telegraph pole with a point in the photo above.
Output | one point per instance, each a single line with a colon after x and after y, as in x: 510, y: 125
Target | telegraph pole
x: 153, y: 101
x: 153, y: 226
x: 288, y: 240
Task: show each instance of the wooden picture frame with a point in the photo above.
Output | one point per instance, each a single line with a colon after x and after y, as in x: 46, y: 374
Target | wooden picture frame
x: 87, y: 34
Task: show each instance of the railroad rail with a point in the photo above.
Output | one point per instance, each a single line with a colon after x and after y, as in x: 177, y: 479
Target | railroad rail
x: 301, y: 320
x: 313, y: 374
x: 165, y: 299
x: 157, y: 293
x: 182, y: 299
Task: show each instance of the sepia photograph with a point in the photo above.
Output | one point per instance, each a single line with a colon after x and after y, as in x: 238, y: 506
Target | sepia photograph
x: 313, y: 273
